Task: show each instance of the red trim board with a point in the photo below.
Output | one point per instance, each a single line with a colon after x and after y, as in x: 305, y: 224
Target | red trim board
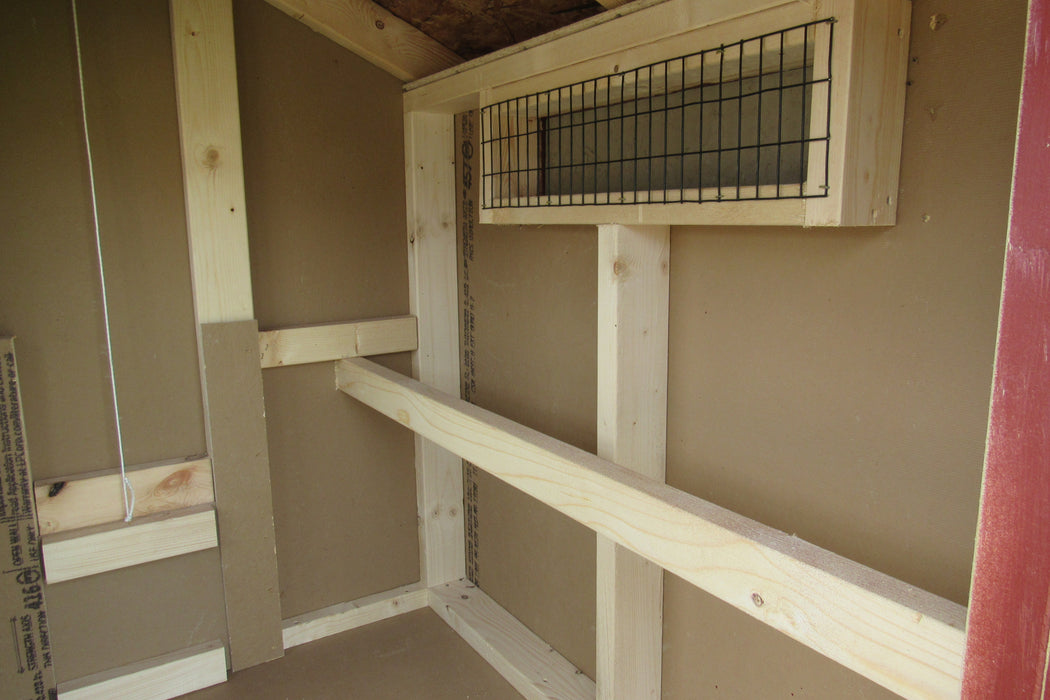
x: 1009, y: 614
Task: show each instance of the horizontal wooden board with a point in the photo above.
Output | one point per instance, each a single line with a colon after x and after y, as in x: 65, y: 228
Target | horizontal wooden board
x: 526, y: 661
x: 374, y: 34
x: 783, y: 212
x: 358, y: 613
x: 160, y: 678
x: 98, y: 498
x: 88, y: 551
x: 334, y: 341
x: 905, y: 639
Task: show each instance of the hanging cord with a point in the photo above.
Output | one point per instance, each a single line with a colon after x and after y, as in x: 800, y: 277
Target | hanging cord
x: 129, y: 491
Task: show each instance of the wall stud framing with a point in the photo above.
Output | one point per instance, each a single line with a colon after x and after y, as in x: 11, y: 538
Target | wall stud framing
x: 228, y: 341
x: 632, y: 431
x: 860, y: 618
x: 433, y: 300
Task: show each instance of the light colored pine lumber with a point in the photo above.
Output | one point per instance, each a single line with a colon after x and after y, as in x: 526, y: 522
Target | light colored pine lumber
x: 633, y: 294
x: 607, y: 35
x: 433, y: 298
x: 869, y: 73
x: 334, y: 341
x: 228, y: 337
x: 903, y: 638
x: 98, y: 498
x: 527, y: 662
x: 212, y: 167
x: 160, y: 678
x: 374, y: 34
x: 343, y: 617
x: 92, y: 550
x: 783, y: 212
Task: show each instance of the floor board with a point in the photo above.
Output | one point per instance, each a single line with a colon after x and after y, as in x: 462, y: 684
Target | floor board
x: 411, y: 656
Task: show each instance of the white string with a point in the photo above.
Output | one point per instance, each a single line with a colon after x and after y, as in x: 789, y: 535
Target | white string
x: 129, y: 491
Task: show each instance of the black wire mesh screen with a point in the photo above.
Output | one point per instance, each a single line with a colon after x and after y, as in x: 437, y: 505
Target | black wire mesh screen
x: 744, y: 121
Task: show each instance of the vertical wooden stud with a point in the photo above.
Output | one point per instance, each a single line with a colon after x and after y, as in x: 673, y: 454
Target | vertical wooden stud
x: 213, y: 171
x: 433, y: 299
x: 632, y: 431
x: 213, y: 175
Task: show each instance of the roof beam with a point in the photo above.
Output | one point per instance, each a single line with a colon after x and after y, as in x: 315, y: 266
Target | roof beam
x: 374, y: 34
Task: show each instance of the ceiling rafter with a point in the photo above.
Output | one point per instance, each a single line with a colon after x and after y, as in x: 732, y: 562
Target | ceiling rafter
x: 374, y: 34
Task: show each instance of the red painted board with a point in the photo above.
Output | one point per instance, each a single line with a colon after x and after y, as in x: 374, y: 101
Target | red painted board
x: 1009, y: 618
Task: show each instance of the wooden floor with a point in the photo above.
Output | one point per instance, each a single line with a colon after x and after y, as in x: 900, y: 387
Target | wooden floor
x: 415, y: 655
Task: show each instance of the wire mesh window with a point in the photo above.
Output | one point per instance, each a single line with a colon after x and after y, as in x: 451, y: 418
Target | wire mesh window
x: 744, y: 121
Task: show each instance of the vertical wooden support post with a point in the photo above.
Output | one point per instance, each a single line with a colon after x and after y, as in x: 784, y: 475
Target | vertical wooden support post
x: 1008, y: 626
x: 632, y: 431
x: 433, y: 280
x: 213, y: 175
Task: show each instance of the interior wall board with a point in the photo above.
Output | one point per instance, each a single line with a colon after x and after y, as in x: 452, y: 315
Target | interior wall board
x: 51, y: 298
x: 831, y: 383
x: 325, y: 193
x: 49, y: 289
x: 718, y: 651
x: 130, y: 93
x: 346, y: 515
x: 120, y: 617
x: 531, y: 315
x: 243, y: 500
x: 834, y: 384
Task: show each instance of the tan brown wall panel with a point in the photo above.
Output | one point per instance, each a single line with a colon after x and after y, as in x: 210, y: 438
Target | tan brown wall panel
x: 324, y: 180
x: 712, y: 650
x: 49, y: 294
x: 129, y: 86
x: 123, y: 616
x: 835, y: 384
x: 344, y: 490
x: 832, y: 383
x: 535, y: 292
x: 52, y: 299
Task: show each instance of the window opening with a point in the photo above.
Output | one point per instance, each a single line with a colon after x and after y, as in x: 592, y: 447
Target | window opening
x: 744, y: 121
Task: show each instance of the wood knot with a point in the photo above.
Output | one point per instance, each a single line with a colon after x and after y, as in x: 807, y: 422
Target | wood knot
x: 176, y: 481
x: 211, y: 158
x: 619, y: 267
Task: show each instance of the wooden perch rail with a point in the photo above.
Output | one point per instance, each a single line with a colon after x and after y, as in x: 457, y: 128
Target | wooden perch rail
x: 905, y: 639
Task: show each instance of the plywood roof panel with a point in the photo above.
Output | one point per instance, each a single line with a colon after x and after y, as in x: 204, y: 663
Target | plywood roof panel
x: 472, y: 28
